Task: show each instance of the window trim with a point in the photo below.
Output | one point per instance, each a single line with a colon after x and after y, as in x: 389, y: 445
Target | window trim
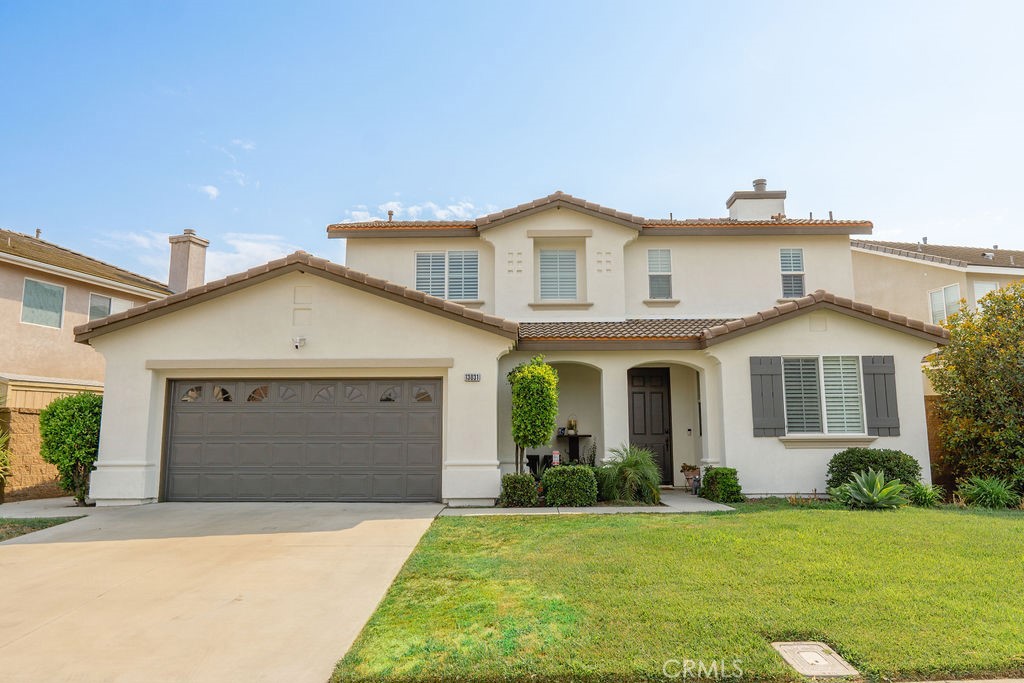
x: 662, y: 273
x: 474, y: 301
x: 802, y: 273
x: 63, y: 303
x: 942, y: 289
x: 825, y: 433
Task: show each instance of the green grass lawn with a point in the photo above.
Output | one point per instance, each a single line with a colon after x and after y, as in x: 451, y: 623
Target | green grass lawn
x: 9, y: 528
x: 906, y: 594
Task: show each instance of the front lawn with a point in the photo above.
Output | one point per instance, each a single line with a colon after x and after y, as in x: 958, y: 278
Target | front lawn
x: 907, y: 594
x: 9, y: 528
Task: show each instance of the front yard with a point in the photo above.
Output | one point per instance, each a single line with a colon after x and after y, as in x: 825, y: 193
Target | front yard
x: 10, y: 528
x: 907, y: 594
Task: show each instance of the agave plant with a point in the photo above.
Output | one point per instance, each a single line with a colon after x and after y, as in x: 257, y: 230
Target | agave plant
x: 870, y: 491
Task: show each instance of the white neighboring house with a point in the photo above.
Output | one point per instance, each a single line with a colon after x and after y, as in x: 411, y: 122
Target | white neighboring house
x: 727, y: 342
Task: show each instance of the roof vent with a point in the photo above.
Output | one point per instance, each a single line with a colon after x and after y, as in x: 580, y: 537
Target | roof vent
x: 39, y: 231
x: 988, y: 255
x: 391, y: 215
x: 760, y: 185
x: 924, y: 240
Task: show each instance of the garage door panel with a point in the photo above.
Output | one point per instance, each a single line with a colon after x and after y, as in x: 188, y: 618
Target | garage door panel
x: 344, y: 440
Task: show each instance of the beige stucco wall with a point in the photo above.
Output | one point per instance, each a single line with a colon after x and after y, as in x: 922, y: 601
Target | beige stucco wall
x: 249, y: 333
x: 901, y: 285
x: 27, y: 349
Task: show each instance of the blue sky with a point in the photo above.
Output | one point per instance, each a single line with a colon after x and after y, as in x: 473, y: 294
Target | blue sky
x: 258, y: 123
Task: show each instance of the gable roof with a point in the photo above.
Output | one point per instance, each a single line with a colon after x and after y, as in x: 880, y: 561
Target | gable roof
x: 302, y: 262
x: 688, y: 333
x: 559, y: 199
x: 26, y: 250
x: 959, y: 257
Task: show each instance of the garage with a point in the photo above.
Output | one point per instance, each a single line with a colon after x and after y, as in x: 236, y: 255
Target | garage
x: 303, y: 440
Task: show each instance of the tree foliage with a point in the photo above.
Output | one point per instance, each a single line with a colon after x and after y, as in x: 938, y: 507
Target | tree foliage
x: 979, y: 377
x: 534, y: 405
x: 70, y: 432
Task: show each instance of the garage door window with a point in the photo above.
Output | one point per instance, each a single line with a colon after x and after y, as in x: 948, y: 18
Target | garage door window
x: 193, y: 394
x: 259, y: 394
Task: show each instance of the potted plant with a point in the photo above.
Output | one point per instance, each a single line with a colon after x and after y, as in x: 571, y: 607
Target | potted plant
x: 691, y: 472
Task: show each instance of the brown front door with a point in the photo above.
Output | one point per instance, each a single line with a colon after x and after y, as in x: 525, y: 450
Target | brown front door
x: 650, y: 416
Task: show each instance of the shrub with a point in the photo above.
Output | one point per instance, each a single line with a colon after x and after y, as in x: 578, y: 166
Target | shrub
x: 896, y: 464
x: 925, y: 495
x: 569, y: 486
x: 721, y: 485
x: 70, y: 431
x: 518, y: 491
x: 630, y: 474
x: 988, y: 492
x: 870, y: 491
x: 534, y: 405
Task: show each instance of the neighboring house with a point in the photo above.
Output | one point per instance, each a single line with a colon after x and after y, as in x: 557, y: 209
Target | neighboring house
x: 45, y: 291
x: 928, y: 281
x: 710, y: 341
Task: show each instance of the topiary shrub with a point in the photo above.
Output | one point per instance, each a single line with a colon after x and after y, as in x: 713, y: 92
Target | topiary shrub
x: 534, y: 387
x: 721, y: 485
x: 70, y: 432
x: 518, y: 491
x: 988, y: 492
x: 569, y: 486
x: 895, y: 464
x: 630, y: 474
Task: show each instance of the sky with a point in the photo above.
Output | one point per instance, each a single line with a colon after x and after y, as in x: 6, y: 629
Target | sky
x: 259, y: 123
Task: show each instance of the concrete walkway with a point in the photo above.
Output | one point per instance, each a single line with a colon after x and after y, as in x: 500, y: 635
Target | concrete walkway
x: 197, y: 591
x: 674, y: 501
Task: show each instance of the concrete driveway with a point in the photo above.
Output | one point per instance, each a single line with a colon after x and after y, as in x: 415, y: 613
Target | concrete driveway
x: 199, y: 591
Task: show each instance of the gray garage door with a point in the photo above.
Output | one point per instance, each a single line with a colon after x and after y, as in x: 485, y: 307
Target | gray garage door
x: 281, y: 440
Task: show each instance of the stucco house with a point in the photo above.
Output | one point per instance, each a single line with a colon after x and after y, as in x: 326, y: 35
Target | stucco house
x: 45, y: 291
x: 729, y: 341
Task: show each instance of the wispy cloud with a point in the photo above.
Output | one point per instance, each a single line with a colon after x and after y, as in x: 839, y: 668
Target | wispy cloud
x: 210, y: 191
x: 247, y: 145
x: 454, y: 210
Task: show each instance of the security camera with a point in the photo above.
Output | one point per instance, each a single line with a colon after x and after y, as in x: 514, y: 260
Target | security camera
x: 298, y: 342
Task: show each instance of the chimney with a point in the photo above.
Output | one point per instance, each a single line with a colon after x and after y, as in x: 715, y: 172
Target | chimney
x: 188, y: 261
x: 761, y: 204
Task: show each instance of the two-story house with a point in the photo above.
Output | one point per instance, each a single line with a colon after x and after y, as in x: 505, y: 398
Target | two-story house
x: 729, y: 341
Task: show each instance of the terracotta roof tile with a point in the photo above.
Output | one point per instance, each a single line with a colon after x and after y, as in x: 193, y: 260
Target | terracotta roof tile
x: 33, y: 249
x: 960, y: 257
x: 660, y: 328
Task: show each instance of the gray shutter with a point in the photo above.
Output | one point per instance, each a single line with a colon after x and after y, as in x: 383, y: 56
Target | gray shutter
x: 883, y: 418
x: 767, y: 395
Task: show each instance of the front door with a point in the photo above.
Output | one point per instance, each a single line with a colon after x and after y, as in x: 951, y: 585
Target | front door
x: 650, y: 416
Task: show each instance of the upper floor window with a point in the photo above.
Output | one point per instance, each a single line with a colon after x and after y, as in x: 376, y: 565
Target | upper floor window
x: 983, y: 288
x: 944, y: 302
x: 659, y: 273
x: 449, y: 275
x: 42, y: 304
x: 558, y: 274
x: 792, y: 262
x: 823, y: 395
x: 101, y: 306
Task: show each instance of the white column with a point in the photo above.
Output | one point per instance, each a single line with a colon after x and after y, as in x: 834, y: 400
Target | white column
x: 615, y: 403
x: 712, y: 414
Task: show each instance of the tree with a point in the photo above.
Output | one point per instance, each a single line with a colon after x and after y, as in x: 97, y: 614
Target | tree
x: 534, y: 405
x: 979, y: 377
x: 70, y: 432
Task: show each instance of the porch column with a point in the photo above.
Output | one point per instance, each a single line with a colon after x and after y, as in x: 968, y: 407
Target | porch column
x: 615, y: 404
x: 711, y: 401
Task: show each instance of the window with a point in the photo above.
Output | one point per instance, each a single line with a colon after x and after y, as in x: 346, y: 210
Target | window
x: 944, y: 302
x: 792, y: 262
x: 42, y: 304
x: 449, y: 275
x: 558, y: 274
x: 101, y: 306
x: 983, y: 288
x: 823, y: 395
x: 659, y: 273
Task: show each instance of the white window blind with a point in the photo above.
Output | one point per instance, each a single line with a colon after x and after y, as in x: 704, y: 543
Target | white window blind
x: 944, y: 302
x: 558, y: 274
x: 844, y: 405
x: 659, y: 269
x: 981, y: 289
x: 430, y: 273
x: 42, y: 304
x: 802, y: 398
x: 101, y: 306
x: 792, y: 263
x: 463, y: 274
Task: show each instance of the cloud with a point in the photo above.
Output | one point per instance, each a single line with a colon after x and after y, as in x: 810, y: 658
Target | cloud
x: 247, y: 145
x: 210, y: 191
x: 237, y: 176
x: 460, y: 211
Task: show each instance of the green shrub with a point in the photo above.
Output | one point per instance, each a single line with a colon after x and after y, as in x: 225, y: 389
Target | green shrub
x: 70, y: 431
x: 534, y: 387
x: 925, y: 495
x: 721, y: 485
x: 630, y: 474
x: 569, y: 486
x: 870, y: 491
x: 518, y: 491
x: 896, y: 464
x: 988, y: 492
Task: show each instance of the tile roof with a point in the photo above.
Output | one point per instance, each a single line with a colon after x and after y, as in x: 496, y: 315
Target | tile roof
x: 40, y: 251
x: 639, y: 329
x: 303, y: 262
x: 960, y: 257
x: 379, y: 228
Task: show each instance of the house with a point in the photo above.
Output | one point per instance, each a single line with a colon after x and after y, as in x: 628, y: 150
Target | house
x: 729, y: 341
x: 45, y: 291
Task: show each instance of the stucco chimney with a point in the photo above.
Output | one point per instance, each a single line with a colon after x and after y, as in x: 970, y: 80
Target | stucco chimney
x: 188, y: 261
x: 759, y: 204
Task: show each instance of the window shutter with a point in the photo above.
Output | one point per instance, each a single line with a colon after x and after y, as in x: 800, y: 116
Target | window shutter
x: 883, y: 417
x: 803, y: 398
x: 766, y: 393
x: 558, y: 274
x: 463, y: 274
x: 841, y: 379
x: 430, y: 273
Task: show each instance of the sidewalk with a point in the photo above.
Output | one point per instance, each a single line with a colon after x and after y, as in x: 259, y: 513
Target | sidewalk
x: 673, y: 501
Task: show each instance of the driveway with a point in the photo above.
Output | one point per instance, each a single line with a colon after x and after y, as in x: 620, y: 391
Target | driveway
x: 199, y: 591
